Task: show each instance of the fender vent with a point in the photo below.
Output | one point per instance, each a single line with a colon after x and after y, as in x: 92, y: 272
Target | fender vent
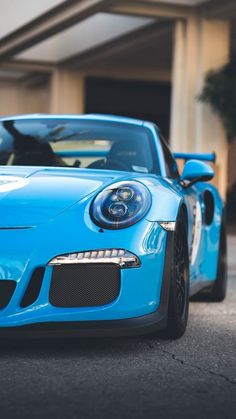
x: 210, y: 207
x: 32, y: 291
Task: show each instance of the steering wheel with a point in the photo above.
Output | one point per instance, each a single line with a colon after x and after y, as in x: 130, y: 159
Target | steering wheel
x: 97, y: 164
x: 110, y: 164
x: 116, y: 164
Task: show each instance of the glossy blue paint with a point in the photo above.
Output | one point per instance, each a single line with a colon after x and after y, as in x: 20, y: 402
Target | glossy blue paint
x: 195, y: 169
x: 140, y: 289
x: 208, y: 257
x: 210, y: 157
x: 49, y: 215
x: 92, y: 117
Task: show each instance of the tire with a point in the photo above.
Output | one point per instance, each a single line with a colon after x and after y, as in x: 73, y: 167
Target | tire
x: 178, y: 306
x: 218, y: 292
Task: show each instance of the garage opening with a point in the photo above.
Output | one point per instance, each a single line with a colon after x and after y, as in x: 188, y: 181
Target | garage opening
x: 137, y: 99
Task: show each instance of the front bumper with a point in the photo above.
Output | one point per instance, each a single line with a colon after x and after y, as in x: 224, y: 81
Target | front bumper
x: 128, y: 327
x: 149, y: 323
x: 139, y: 303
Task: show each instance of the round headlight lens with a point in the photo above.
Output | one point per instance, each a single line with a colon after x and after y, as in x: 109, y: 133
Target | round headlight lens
x: 121, y: 205
x: 118, y: 210
x: 125, y: 194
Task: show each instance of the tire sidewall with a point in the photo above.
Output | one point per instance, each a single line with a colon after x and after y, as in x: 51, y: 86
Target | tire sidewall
x: 177, y: 323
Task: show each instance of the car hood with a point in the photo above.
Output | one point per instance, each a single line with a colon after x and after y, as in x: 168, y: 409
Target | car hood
x: 32, y: 196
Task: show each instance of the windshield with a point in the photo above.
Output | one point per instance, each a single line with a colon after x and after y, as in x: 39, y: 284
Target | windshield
x: 77, y: 143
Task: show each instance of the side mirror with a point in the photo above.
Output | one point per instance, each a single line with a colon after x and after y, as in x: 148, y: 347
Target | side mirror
x: 197, y: 171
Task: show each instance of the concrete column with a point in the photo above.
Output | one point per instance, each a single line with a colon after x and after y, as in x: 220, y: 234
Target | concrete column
x: 200, y: 45
x: 67, y: 92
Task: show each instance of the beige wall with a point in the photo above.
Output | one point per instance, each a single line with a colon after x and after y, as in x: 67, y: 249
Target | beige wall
x: 9, y: 98
x: 17, y: 98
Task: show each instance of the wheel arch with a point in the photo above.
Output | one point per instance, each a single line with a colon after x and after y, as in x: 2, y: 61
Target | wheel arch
x: 184, y: 213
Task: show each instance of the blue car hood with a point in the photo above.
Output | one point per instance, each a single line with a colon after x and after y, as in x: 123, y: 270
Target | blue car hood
x: 31, y: 196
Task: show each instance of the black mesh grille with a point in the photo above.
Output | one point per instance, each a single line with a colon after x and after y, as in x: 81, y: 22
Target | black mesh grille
x: 33, y: 289
x: 7, y: 287
x: 86, y: 285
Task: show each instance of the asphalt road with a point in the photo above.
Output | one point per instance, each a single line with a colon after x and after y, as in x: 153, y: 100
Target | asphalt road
x: 194, y: 377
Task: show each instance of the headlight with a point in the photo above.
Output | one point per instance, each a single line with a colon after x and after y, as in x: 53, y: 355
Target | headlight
x: 121, y: 205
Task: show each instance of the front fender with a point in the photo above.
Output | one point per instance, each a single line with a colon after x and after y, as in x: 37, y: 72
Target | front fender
x: 165, y: 200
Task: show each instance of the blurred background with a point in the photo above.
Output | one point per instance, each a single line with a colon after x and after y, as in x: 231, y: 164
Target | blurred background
x: 148, y: 59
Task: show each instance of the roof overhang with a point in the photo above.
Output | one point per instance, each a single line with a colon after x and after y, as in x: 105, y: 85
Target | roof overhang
x: 50, y: 23
x: 17, y: 45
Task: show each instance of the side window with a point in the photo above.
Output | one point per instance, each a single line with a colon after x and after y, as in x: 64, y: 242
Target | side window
x: 170, y: 163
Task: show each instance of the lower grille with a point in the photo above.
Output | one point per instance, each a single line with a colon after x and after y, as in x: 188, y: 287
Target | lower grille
x: 86, y: 285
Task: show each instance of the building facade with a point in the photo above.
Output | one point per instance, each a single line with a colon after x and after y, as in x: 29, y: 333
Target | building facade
x: 141, y: 58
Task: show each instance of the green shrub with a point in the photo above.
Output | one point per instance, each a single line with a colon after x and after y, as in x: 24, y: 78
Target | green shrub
x: 220, y: 92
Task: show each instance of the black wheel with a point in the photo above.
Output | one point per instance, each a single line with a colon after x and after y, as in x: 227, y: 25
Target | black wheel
x: 179, y: 286
x: 218, y: 292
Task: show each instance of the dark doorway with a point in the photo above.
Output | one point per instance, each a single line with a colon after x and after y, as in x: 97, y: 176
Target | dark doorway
x: 145, y: 100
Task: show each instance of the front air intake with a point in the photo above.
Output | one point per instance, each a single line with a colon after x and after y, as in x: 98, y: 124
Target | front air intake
x: 7, y: 288
x: 33, y: 289
x: 85, y: 285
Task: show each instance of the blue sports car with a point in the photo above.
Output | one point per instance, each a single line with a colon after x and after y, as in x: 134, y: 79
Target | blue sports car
x: 100, y: 234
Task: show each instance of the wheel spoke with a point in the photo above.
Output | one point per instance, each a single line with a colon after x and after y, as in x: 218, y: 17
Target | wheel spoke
x: 180, y: 272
